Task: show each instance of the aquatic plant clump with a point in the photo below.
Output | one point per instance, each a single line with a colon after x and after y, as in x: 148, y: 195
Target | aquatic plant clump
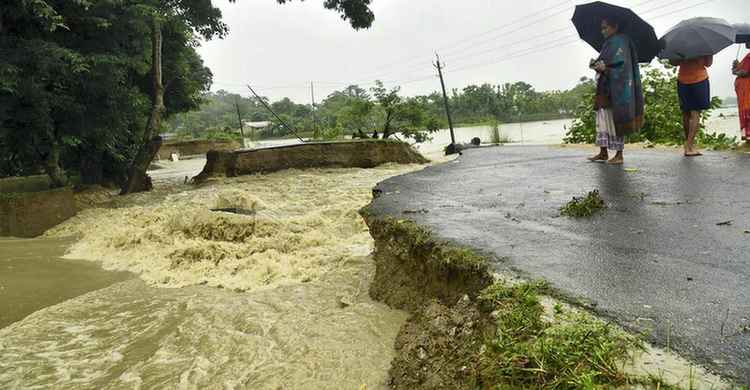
x: 585, y: 206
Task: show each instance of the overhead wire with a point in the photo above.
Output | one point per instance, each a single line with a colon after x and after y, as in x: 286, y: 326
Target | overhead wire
x: 559, y: 42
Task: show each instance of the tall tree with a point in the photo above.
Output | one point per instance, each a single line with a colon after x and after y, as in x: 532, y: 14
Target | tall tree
x: 203, y: 19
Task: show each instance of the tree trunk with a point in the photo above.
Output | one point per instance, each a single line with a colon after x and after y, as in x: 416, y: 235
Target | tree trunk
x: 138, y: 180
x: 52, y: 167
x: 92, y: 169
x: 387, y: 126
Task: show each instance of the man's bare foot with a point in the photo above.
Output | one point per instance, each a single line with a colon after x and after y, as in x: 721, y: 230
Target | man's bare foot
x: 599, y: 157
x: 616, y: 160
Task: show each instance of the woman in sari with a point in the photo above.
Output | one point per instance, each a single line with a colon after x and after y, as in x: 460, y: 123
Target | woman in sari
x: 742, y: 87
x: 619, y: 96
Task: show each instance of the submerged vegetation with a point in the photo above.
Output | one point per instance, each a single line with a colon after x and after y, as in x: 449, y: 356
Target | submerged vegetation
x: 585, y: 206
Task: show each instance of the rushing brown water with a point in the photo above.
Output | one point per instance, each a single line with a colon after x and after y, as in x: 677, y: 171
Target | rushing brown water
x: 33, y: 276
x: 316, y: 335
x: 275, y: 299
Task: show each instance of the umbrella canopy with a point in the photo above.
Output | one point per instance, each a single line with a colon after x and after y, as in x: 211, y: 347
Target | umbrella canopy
x: 588, y: 19
x: 697, y: 37
x: 743, y: 32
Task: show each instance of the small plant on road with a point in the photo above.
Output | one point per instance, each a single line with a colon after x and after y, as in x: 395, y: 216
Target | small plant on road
x: 585, y: 206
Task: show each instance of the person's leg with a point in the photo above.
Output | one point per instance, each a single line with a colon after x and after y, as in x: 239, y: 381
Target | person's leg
x: 690, y: 149
x: 602, y: 138
x: 617, y: 144
x: 603, y: 155
x: 686, y: 124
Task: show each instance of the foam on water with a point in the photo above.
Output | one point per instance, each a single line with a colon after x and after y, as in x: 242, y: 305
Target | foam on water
x: 295, y: 313
x: 300, y: 225
x: 133, y: 335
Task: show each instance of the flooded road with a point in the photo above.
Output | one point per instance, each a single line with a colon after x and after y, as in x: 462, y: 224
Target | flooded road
x: 274, y: 297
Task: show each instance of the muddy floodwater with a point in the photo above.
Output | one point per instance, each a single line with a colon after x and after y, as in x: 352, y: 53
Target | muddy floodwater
x: 33, y: 276
x: 159, y: 291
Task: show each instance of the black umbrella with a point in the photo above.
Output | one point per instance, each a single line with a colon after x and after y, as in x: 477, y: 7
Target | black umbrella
x: 588, y: 21
x: 743, y: 32
x: 697, y: 37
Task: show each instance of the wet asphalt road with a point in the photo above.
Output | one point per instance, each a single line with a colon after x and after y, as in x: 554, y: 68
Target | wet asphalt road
x: 655, y: 260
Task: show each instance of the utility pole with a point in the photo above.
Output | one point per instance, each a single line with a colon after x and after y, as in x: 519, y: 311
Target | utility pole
x: 315, y: 120
x: 451, y: 149
x: 239, y: 119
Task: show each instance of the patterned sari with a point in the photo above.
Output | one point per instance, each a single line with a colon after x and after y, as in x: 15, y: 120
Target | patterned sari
x: 742, y: 86
x: 621, y: 85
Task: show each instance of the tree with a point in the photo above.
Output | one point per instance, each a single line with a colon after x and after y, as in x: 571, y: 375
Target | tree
x: 402, y: 115
x: 357, y: 12
x: 198, y: 16
x: 204, y: 19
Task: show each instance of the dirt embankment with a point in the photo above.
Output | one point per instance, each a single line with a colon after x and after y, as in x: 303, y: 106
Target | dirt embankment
x: 349, y: 154
x: 29, y: 214
x: 472, y: 329
x: 438, y: 284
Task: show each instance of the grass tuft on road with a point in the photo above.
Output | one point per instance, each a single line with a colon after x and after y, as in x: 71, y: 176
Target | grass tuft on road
x: 585, y: 206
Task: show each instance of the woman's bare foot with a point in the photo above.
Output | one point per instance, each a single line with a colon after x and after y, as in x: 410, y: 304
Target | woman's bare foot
x: 617, y: 159
x: 599, y: 157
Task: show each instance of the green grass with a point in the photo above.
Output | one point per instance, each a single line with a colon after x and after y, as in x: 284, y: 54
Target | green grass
x: 585, y: 206
x: 575, y: 351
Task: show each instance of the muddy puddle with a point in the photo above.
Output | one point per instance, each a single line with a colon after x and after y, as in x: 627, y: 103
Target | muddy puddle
x: 267, y: 291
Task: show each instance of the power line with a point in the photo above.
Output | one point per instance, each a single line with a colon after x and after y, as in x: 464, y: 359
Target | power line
x: 521, y: 41
x: 406, y: 60
x: 546, y: 46
x: 561, y: 44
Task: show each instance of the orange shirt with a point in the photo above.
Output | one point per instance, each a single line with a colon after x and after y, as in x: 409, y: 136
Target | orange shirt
x: 693, y: 71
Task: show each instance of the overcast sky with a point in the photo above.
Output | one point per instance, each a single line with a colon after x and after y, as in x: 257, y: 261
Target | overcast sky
x: 282, y: 48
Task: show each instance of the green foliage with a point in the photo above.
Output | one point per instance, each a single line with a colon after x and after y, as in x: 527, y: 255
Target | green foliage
x: 573, y: 351
x: 584, y: 207
x: 357, y: 12
x: 583, y: 129
x: 662, y: 116
x: 514, y: 102
x: 76, y: 93
x: 76, y: 80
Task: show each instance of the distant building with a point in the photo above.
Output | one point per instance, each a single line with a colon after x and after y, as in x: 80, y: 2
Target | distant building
x: 257, y: 125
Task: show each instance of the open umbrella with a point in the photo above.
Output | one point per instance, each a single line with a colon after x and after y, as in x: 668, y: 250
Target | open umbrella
x: 743, y: 32
x: 697, y: 37
x: 588, y: 19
